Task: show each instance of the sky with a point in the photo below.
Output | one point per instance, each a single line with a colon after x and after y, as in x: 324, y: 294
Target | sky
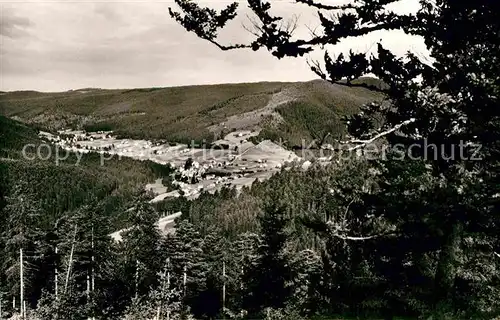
x: 61, y: 45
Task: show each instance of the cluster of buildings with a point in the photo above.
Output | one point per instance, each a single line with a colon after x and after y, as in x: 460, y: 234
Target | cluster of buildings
x: 75, y: 140
x: 196, y: 169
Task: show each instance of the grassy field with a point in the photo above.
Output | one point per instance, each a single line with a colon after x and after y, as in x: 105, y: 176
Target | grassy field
x: 181, y: 113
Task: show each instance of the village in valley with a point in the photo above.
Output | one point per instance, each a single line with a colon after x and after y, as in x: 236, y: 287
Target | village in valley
x: 233, y: 161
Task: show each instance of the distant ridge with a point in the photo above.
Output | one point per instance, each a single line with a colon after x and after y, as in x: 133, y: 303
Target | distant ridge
x: 84, y: 89
x: 197, y: 112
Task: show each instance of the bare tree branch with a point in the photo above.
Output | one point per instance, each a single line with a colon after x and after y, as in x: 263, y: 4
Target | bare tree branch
x: 344, y: 237
x: 312, y: 31
x: 320, y: 5
x: 230, y: 47
x: 341, y: 228
x: 257, y: 29
x: 347, y: 209
x: 291, y: 25
x: 363, y: 143
x: 275, y: 34
x: 333, y: 40
x: 315, y: 66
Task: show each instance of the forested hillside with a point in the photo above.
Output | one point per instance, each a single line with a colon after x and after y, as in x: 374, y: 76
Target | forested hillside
x: 178, y: 114
x: 407, y: 227
x: 63, y: 186
x: 407, y: 232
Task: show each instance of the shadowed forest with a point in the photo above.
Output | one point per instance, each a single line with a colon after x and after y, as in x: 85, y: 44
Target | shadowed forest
x: 400, y: 236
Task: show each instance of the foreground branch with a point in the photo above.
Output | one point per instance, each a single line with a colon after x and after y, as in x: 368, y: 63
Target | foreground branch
x: 344, y: 237
x: 315, y: 67
x: 206, y: 23
x: 230, y: 47
x: 319, y: 5
x: 363, y: 143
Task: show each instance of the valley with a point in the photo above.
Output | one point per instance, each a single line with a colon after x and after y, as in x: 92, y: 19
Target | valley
x: 230, y: 162
x: 371, y: 192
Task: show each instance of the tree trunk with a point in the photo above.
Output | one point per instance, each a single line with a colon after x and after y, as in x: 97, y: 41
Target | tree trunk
x: 448, y: 263
x: 56, y: 277
x: 21, y: 274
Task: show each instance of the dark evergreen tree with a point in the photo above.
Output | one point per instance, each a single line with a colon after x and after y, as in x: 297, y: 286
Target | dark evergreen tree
x: 80, y: 256
x: 242, y: 258
x: 141, y: 249
x: 444, y: 203
x: 268, y: 281
x: 185, y: 250
x: 207, y: 297
x: 307, y: 297
x: 21, y: 231
x: 3, y: 216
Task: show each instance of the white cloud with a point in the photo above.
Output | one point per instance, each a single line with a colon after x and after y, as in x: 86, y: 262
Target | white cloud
x: 61, y: 45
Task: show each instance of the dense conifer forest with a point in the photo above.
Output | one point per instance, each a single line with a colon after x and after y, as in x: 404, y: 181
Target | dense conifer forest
x: 403, y: 235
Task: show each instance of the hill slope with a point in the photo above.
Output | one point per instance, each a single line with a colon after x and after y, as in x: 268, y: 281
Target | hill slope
x: 14, y: 135
x: 181, y: 113
x: 64, y: 186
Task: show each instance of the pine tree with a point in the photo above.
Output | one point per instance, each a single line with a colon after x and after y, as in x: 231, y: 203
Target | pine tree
x: 438, y: 205
x: 209, y: 295
x: 243, y: 257
x: 188, y: 268
x: 21, y: 232
x: 141, y: 249
x: 306, y: 270
x: 3, y: 215
x: 91, y: 270
x: 268, y: 281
